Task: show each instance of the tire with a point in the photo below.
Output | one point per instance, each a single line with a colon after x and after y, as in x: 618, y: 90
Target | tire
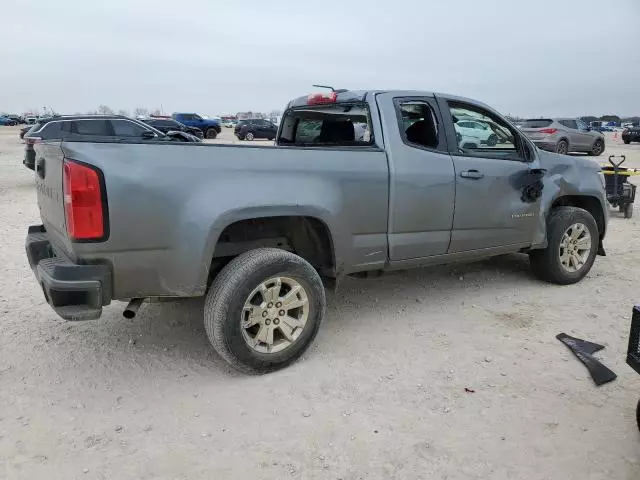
x: 249, y: 136
x: 233, y: 288
x: 210, y: 133
x: 598, y: 148
x: 546, y: 264
x: 626, y: 142
x: 492, y: 141
x: 562, y: 147
x: 628, y: 211
x: 638, y: 414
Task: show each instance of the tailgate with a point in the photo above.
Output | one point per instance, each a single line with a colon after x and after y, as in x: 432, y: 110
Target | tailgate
x: 48, y: 167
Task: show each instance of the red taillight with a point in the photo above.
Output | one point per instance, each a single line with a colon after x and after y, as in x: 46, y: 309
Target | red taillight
x: 550, y: 131
x: 33, y: 140
x: 322, y: 97
x: 83, y: 208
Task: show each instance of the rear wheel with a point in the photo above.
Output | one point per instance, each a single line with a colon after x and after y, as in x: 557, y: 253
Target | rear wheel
x: 211, y: 133
x: 598, y: 148
x: 627, y: 142
x: 562, y: 147
x: 249, y: 136
x: 492, y: 141
x: 572, y: 244
x: 264, y: 309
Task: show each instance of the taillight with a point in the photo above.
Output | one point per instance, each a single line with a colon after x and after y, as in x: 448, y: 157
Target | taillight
x: 550, y: 131
x: 322, y: 98
x: 33, y: 140
x: 83, y: 201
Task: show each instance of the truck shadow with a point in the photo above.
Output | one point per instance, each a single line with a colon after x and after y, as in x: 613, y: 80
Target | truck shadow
x: 172, y: 333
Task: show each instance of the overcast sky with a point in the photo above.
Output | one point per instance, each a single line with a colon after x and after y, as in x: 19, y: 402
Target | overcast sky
x: 525, y: 57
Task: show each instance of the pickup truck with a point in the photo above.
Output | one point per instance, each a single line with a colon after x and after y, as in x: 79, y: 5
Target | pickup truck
x: 261, y: 231
x: 210, y: 128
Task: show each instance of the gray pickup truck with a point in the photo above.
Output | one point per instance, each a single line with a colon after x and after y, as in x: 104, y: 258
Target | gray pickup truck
x: 357, y: 183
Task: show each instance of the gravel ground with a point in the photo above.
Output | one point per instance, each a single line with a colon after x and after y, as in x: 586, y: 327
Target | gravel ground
x: 380, y: 395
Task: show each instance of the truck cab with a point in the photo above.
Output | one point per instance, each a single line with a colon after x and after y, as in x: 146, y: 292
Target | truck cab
x: 210, y: 127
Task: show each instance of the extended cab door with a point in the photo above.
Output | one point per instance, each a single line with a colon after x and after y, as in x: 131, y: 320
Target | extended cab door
x: 490, y: 210
x: 422, y: 182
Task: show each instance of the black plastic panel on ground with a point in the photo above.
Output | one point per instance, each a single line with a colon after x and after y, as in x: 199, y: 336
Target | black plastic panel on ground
x: 633, y: 354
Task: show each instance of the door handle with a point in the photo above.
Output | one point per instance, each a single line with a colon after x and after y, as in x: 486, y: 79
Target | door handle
x: 40, y: 167
x: 473, y: 174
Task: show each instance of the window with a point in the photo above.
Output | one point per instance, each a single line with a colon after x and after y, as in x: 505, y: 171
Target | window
x: 570, y: 124
x: 90, y: 127
x: 327, y: 125
x: 581, y: 125
x: 418, y: 123
x: 537, y: 123
x: 479, y: 133
x: 51, y: 130
x: 126, y: 128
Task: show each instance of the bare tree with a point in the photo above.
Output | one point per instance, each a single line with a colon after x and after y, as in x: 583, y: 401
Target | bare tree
x: 138, y: 111
x: 156, y: 112
x: 104, y: 110
x: 124, y: 113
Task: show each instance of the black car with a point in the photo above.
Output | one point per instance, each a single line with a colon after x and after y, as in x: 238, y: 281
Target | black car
x: 61, y: 127
x: 255, y: 128
x: 167, y: 125
x: 631, y: 134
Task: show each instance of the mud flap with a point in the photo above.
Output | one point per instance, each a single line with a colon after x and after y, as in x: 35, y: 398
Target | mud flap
x: 584, y: 350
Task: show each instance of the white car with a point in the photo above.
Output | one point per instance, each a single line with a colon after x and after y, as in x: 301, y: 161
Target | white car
x: 475, y: 133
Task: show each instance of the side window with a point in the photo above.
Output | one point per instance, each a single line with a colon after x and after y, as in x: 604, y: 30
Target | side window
x: 493, y: 138
x: 572, y: 124
x: 125, y: 128
x: 51, y: 130
x: 332, y: 125
x: 418, y: 124
x: 581, y: 125
x: 90, y: 127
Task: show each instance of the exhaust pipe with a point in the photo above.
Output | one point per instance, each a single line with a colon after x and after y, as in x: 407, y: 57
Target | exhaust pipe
x: 132, y: 308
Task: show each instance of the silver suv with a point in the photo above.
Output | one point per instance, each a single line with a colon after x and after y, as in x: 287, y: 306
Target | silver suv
x: 563, y: 135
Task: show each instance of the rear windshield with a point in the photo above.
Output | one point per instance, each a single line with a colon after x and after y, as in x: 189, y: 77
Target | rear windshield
x: 327, y: 125
x: 537, y: 123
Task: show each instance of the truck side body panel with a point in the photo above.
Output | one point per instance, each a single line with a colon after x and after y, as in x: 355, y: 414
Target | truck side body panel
x: 169, y: 203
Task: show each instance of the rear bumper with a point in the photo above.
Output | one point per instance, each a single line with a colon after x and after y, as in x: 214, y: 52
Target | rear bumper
x: 75, y: 292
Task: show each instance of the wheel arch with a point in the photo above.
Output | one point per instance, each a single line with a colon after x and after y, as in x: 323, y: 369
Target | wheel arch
x: 307, y: 235
x: 586, y: 202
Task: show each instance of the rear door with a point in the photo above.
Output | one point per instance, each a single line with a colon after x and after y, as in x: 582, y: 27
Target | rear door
x: 422, y: 183
x: 577, y: 140
x: 489, y: 208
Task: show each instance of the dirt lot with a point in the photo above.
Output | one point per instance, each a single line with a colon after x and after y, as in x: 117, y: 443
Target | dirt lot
x: 380, y: 395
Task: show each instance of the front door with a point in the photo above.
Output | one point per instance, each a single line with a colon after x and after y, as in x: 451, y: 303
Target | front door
x: 490, y: 210
x: 422, y: 182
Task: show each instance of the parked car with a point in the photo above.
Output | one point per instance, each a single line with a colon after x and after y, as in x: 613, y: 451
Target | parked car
x: 30, y: 120
x: 167, y: 125
x: 6, y: 121
x: 15, y: 118
x: 260, y: 230
x: 564, y: 135
x: 251, y: 129
x: 631, y: 134
x: 210, y: 128
x: 102, y: 126
x: 228, y: 123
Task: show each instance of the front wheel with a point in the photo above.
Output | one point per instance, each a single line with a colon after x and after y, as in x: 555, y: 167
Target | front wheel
x: 572, y: 244
x: 492, y: 141
x: 211, y: 134
x: 627, y: 142
x: 249, y: 136
x: 264, y: 309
